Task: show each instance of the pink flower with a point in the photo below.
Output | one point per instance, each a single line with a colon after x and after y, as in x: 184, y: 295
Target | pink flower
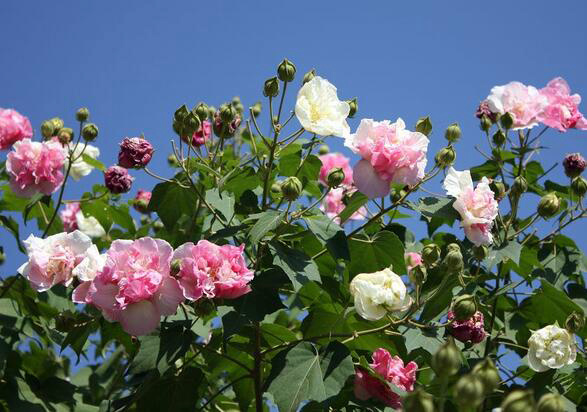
x: 468, y: 330
x: 134, y: 287
x: 57, y: 259
x: 13, y: 127
x: 367, y: 387
x: 392, y: 369
x: 574, y: 164
x: 524, y: 103
x: 202, y: 135
x: 562, y: 110
x: 135, y: 152
x: 141, y: 201
x: 332, y: 161
x: 413, y: 259
x: 484, y: 109
x: 68, y: 216
x: 117, y: 179
x: 212, y: 271
x: 477, y: 206
x: 333, y: 204
x: 391, y: 154
x: 35, y: 167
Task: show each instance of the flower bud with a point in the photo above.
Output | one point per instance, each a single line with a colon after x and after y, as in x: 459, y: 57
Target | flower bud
x: 117, y: 179
x: 574, y: 164
x: 145, y: 219
x: 489, y: 375
x: 175, y: 267
x: 579, y: 186
x: 354, y: 106
x: 276, y: 188
x: 256, y: 109
x: 141, y: 201
x: 499, y: 138
x: 172, y: 160
x: 519, y: 186
x: 211, y: 111
x: 469, y: 391
x: 201, y: 111
x: 452, y: 133
x: 47, y: 129
x: 453, y: 260
x: 324, y: 149
x: 548, y: 205
x: 82, y: 114
x: 135, y: 153
x: 418, y: 401
x: 518, y: 401
x: 157, y: 225
x: 90, y: 132
x: 227, y: 112
x: 57, y: 125
x: 430, y: 254
x: 204, y: 307
x: 447, y: 359
x: 335, y: 177
x: 464, y: 307
x: 286, y: 71
x: 445, y: 157
x: 418, y: 275
x: 238, y: 107
x: 65, y: 135
x: 424, y: 126
x: 507, y: 121
x: 551, y: 402
x: 271, y: 87
x: 309, y: 76
x: 181, y: 113
x: 191, y: 124
x: 498, y: 189
x: 480, y: 252
x: 575, y: 322
x: 291, y: 188
x: 485, y: 123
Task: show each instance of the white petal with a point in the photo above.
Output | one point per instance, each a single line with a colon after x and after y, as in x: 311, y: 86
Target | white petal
x: 456, y: 182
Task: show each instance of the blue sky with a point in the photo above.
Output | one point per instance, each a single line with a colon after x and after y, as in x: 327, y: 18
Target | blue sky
x: 134, y: 62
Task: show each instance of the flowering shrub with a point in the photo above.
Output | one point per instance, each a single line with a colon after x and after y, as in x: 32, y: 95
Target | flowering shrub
x: 261, y: 271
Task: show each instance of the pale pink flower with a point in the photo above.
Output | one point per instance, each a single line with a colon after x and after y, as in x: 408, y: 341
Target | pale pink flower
x: 134, y: 287
x: 68, y: 214
x: 393, y: 154
x: 13, y: 127
x: 332, y: 161
x: 333, y: 204
x: 470, y: 330
x: 211, y: 271
x: 413, y: 259
x: 562, y: 110
x: 524, y: 103
x: 35, y: 167
x: 58, y: 259
x: 392, y: 369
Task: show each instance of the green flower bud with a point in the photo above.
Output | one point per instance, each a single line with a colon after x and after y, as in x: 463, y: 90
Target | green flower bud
x: 499, y: 138
x: 551, y: 402
x: 548, y: 205
x: 291, y: 188
x: 211, y: 112
x: 238, y: 107
x: 354, y: 106
x: 452, y: 133
x: 172, y: 160
x: 271, y: 87
x: 579, y: 186
x: 90, y: 132
x: 498, y: 189
x: 276, y: 188
x: 445, y: 157
x: 418, y: 275
x: 324, y: 149
x: 181, y: 113
x: 519, y: 186
x: 57, y: 125
x: 82, y: 114
x: 424, y: 125
x: 201, y: 111
x: 65, y: 135
x: 47, y: 129
x: 286, y: 71
x: 335, y: 177
x: 488, y: 374
x: 453, y: 261
x: 469, y: 391
x: 256, y: 109
x: 227, y: 112
x: 480, y: 252
x: 507, y: 121
x: 157, y: 226
x: 177, y: 127
x: 419, y: 401
x: 575, y: 322
x: 145, y: 219
x: 485, y: 123
x: 309, y: 76
x: 430, y: 254
x: 175, y: 267
x: 204, y: 307
x: 518, y: 401
x: 447, y: 359
x: 464, y: 307
x: 191, y: 123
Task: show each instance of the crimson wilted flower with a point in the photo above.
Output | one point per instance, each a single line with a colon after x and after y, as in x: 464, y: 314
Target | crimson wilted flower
x: 574, y: 164
x: 484, y: 109
x: 471, y: 329
x: 135, y: 152
x: 117, y: 179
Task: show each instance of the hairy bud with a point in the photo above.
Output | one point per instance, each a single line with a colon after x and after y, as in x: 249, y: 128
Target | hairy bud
x: 453, y: 260
x: 65, y: 135
x: 309, y: 76
x: 519, y: 186
x: 271, y: 87
x: 452, y: 133
x: 424, y: 125
x: 548, y: 205
x: 464, y: 307
x: 485, y: 123
x: 291, y: 188
x: 90, y: 132
x: 430, y: 254
x: 551, y: 402
x: 202, y: 111
x: 82, y: 114
x: 579, y: 186
x: 227, y: 112
x: 324, y: 149
x: 256, y: 109
x: 181, y: 113
x: 499, y: 138
x: 445, y: 157
x: 480, y: 252
x: 518, y: 401
x: 469, y: 391
x: 507, y: 121
x: 354, y: 106
x: 57, y: 125
x: 286, y: 71
x: 335, y: 177
x: 488, y: 374
x: 447, y: 359
x: 575, y: 322
x: 47, y: 129
x: 498, y: 189
x: 419, y: 401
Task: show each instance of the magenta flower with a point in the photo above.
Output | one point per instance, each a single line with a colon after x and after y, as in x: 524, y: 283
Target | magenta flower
x: 574, y: 164
x: 141, y: 201
x: 470, y: 330
x: 13, y: 127
x: 524, y: 103
x: 211, y: 271
x: 135, y: 153
x: 367, y: 387
x: 68, y: 216
x: 117, y: 179
x: 202, y: 135
x: 134, y: 287
x: 484, y: 109
x: 332, y: 161
x: 35, y: 167
x: 562, y: 110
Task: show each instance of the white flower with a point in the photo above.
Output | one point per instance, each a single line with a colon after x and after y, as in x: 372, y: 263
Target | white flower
x: 89, y: 225
x: 551, y: 347
x: 319, y: 110
x: 378, y: 293
x: 91, y: 265
x: 79, y: 168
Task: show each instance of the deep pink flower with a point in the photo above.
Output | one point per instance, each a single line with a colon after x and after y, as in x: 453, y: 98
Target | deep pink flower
x: 332, y: 161
x: 141, y: 200
x: 117, y: 179
x: 367, y: 387
x: 134, y: 287
x: 574, y: 164
x: 202, y: 135
x: 229, y: 129
x: 392, y: 154
x: 212, y: 271
x: 562, y: 110
x: 35, y: 167
x: 13, y: 127
x: 135, y: 153
x: 333, y: 204
x: 392, y: 369
x: 68, y: 216
x: 468, y: 330
x: 524, y: 103
x: 484, y: 109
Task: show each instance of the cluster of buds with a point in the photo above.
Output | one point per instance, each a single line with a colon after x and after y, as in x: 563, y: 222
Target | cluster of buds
x: 186, y: 122
x: 431, y: 254
x: 453, y: 261
x: 227, y: 120
x: 55, y: 127
x: 574, y: 164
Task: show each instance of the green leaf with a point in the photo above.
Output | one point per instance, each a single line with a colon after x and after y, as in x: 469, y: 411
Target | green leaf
x: 93, y: 162
x: 170, y: 201
x: 32, y: 202
x: 511, y: 251
x: 298, y: 267
x: 121, y: 216
x: 10, y: 224
x: 370, y: 254
x: 438, y: 207
x: 356, y: 201
x: 224, y: 203
x: 329, y: 234
x: 337, y: 366
x: 268, y: 221
x: 77, y: 338
x: 246, y: 179
x: 100, y: 210
x: 490, y: 169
